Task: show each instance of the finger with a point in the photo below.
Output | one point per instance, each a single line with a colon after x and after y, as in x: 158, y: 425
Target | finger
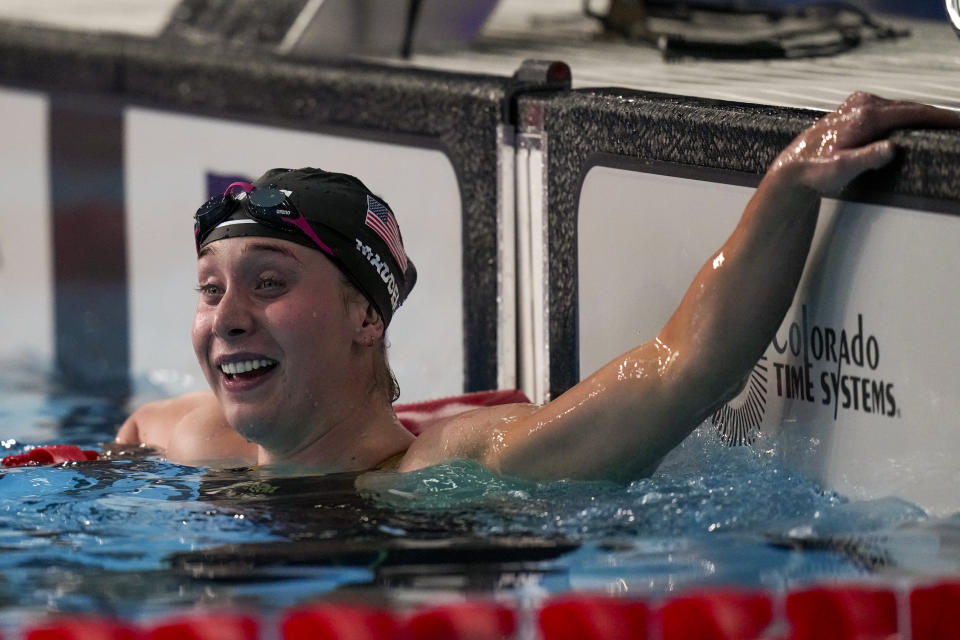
x: 852, y: 162
x: 864, y: 100
x: 872, y: 156
x: 847, y: 164
x: 877, y: 118
x: 901, y: 114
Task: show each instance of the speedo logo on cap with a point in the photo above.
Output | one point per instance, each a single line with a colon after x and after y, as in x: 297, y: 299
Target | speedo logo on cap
x: 383, y: 269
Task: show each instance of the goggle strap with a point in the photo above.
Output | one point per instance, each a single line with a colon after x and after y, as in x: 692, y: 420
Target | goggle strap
x: 301, y: 224
x: 246, y: 186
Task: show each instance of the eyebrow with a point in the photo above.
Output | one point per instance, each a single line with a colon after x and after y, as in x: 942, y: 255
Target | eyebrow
x: 267, y: 247
x: 271, y: 248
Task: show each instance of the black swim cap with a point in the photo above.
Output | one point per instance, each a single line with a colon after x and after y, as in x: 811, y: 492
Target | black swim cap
x: 357, y: 226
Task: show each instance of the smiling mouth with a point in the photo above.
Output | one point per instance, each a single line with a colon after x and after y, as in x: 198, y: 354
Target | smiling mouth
x: 247, y: 369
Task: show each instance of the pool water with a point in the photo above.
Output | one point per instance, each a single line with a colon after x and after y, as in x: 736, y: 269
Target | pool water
x: 138, y: 536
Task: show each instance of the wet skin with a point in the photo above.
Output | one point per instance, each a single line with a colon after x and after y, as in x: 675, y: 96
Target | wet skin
x: 618, y: 423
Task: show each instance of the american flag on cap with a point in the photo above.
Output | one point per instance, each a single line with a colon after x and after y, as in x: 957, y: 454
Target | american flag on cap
x: 381, y: 220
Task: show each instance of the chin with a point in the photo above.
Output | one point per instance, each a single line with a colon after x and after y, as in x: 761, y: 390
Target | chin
x: 255, y: 429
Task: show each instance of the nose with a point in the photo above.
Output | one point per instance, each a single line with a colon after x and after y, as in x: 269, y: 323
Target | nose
x: 233, y: 317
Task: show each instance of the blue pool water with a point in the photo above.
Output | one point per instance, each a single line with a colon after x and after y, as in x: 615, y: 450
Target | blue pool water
x: 139, y: 536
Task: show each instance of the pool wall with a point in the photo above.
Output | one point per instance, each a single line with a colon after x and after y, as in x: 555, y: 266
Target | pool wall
x: 119, y: 138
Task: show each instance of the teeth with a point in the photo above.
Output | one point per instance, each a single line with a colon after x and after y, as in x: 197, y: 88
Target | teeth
x: 233, y: 368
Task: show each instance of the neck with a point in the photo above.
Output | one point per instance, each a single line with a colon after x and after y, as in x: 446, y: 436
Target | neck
x: 363, y: 435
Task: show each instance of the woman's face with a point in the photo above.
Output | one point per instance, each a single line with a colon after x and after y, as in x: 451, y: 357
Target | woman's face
x: 273, y: 336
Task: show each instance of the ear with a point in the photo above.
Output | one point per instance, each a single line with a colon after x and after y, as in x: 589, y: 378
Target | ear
x: 368, y: 325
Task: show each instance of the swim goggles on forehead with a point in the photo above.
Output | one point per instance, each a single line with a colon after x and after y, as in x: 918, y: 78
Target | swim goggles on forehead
x: 268, y: 206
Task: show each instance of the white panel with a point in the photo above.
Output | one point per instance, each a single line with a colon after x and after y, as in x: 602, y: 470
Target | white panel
x: 167, y: 158
x: 642, y: 238
x: 886, y: 278
x: 26, y: 263
x: 880, y: 282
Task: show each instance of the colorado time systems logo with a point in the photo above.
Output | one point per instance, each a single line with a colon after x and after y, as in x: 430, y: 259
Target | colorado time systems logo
x: 834, y: 368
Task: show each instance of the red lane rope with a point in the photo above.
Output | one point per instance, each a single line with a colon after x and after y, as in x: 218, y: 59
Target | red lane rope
x: 825, y: 612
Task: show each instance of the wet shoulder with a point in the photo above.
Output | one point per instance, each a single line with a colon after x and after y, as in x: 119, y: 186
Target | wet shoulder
x: 154, y: 423
x: 189, y: 429
x: 464, y: 436
x: 203, y: 436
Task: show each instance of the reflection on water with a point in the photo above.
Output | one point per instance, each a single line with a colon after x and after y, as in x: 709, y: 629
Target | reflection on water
x: 137, y: 535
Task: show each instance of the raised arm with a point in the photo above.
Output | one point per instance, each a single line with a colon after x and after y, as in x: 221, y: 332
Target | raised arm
x: 622, y: 420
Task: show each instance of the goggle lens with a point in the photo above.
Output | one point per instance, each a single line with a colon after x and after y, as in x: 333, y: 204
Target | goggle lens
x: 270, y: 198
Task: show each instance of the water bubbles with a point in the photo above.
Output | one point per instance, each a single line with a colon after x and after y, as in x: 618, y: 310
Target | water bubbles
x: 624, y: 515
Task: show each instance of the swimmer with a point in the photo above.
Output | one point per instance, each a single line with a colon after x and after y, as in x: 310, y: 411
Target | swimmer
x: 296, y: 292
